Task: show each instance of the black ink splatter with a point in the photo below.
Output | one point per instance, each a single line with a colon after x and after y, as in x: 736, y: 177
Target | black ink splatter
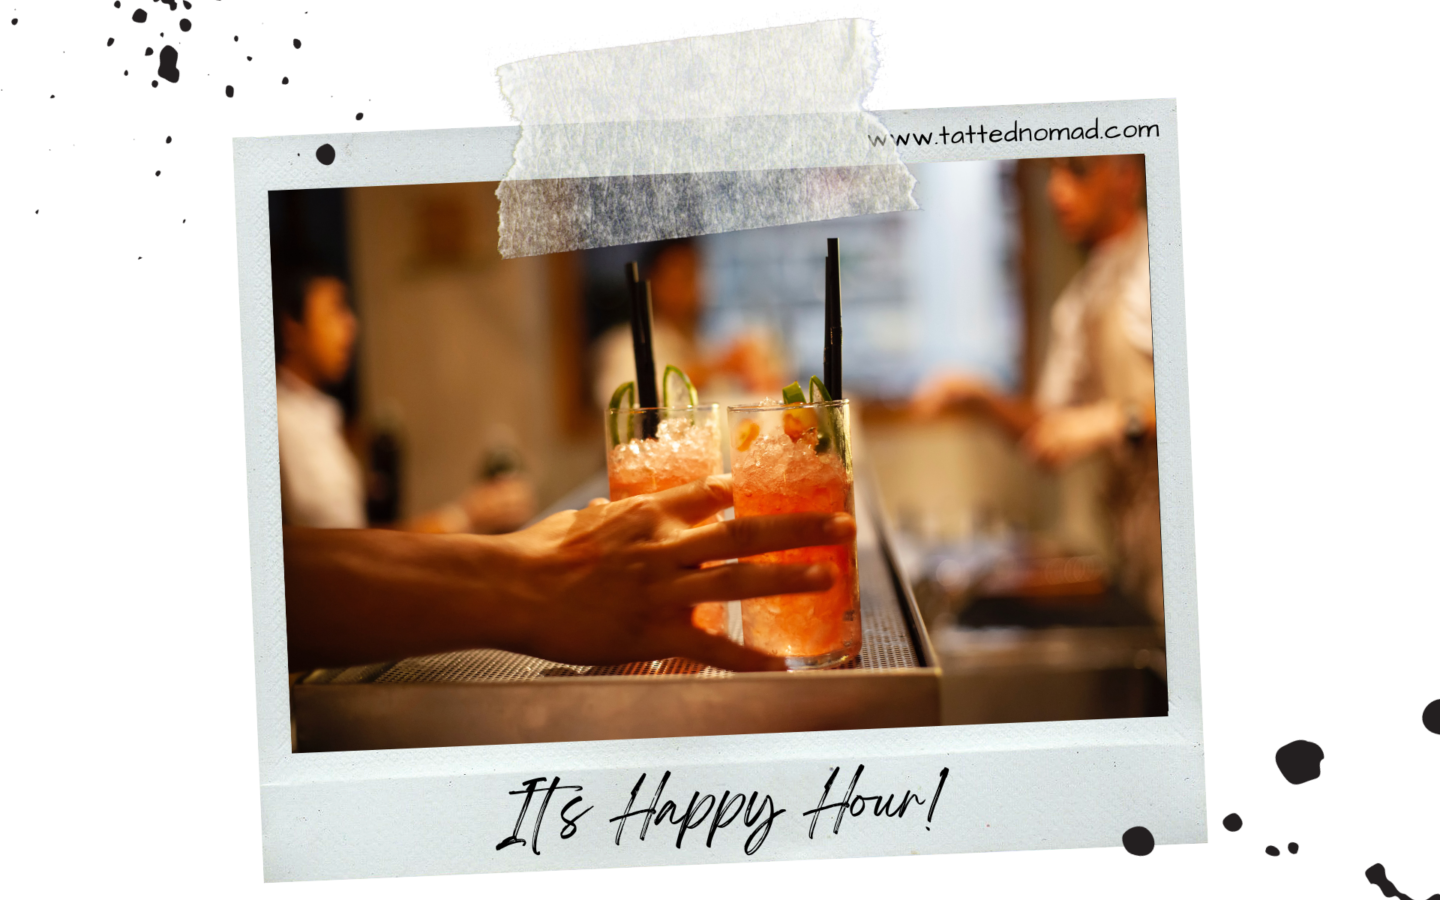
x: 127, y: 71
x: 168, y: 57
x: 14, y: 21
x: 184, y: 24
x: 237, y: 38
x: 285, y: 80
x: 359, y: 116
x: 186, y: 3
x: 1272, y: 850
x: 169, y: 3
x: 140, y: 16
x: 117, y: 4
x: 1138, y: 840
x: 1375, y: 876
x: 326, y: 154
x: 149, y: 51
x: 167, y: 138
x: 157, y: 173
x: 229, y: 90
x: 297, y: 43
x: 1299, y: 761
x: 1431, y: 717
x: 249, y: 58
x: 1232, y: 822
x: 154, y: 83
x: 110, y: 42
x: 1293, y: 847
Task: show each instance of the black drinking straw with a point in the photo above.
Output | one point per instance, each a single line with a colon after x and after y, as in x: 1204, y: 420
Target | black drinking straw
x: 647, y: 394
x: 833, y: 331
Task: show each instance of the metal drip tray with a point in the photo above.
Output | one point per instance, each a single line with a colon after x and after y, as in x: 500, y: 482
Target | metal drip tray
x: 495, y: 697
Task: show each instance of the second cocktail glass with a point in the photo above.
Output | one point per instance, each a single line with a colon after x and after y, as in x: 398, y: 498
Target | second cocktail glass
x: 788, y: 459
x: 686, y: 447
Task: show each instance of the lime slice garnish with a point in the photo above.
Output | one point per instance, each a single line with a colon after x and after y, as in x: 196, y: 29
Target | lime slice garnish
x: 690, y: 391
x: 792, y: 393
x: 624, y: 392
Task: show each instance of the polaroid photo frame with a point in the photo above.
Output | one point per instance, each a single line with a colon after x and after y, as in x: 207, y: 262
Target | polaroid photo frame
x: 725, y: 798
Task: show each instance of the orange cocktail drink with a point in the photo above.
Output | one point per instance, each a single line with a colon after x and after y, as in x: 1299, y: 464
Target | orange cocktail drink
x: 686, y: 447
x: 788, y: 459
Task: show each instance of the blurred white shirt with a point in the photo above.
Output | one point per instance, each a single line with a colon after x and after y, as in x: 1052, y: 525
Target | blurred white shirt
x: 1101, y: 350
x: 320, y: 481
x: 1115, y: 281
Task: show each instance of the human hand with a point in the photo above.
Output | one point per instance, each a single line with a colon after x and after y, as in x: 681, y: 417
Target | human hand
x: 615, y: 582
x: 947, y: 389
x: 502, y: 504
x: 1064, y: 435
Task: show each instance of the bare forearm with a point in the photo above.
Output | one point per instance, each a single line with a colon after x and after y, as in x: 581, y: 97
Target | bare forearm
x: 364, y: 596
x: 1016, y: 415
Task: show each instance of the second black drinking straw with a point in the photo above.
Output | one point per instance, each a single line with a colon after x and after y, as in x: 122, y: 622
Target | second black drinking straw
x: 647, y: 393
x: 833, y: 331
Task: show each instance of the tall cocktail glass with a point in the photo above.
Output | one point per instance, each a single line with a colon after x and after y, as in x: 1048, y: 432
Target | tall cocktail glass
x: 686, y: 447
x: 788, y: 459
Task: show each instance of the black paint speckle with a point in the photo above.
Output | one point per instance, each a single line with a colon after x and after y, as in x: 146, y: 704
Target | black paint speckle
x: 297, y: 43
x: 359, y: 116
x: 110, y: 42
x: 1138, y: 840
x: 326, y: 154
x: 154, y: 83
x: 229, y: 90
x: 185, y: 3
x: 149, y: 51
x: 157, y: 173
x: 1293, y: 847
x: 117, y: 4
x: 1431, y: 717
x: 285, y: 80
x: 185, y: 24
x: 1272, y: 850
x: 167, y: 138
x: 169, y: 64
x: 169, y: 3
x: 1299, y: 761
x: 127, y: 71
x: 237, y: 38
x: 1232, y: 822
x: 1376, y: 876
x: 14, y: 21
x: 140, y: 16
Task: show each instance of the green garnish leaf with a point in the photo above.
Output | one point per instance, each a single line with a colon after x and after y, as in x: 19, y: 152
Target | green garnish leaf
x: 816, y: 383
x: 792, y: 393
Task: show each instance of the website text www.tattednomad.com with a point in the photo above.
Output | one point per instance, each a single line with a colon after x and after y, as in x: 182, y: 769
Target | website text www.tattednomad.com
x: 1017, y: 133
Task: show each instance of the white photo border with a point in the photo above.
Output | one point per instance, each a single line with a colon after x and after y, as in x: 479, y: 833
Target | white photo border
x: 1010, y: 787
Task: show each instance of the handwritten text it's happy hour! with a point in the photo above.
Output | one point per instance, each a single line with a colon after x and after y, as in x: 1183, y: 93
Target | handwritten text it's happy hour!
x: 705, y: 814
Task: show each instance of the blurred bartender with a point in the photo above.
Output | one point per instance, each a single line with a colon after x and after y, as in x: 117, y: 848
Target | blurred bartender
x: 1096, y: 391
x: 677, y: 295
x: 321, y: 484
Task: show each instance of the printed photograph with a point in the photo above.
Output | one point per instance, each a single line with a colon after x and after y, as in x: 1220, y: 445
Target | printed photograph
x: 887, y: 471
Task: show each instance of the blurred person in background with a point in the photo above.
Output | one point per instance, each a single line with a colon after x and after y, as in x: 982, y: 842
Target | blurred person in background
x: 750, y: 363
x: 1096, y: 390
x: 321, y: 482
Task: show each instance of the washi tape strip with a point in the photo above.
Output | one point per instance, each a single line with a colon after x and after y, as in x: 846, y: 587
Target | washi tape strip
x: 696, y: 136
